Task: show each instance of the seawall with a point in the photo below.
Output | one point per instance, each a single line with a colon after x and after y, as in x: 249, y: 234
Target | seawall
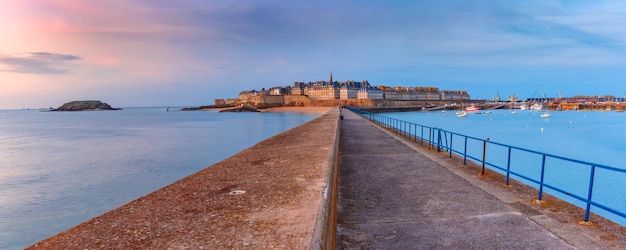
x: 277, y: 194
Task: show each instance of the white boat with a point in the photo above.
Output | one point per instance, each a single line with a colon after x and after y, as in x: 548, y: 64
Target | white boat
x: 461, y: 114
x: 545, y: 115
x: 523, y: 106
x: 536, y: 106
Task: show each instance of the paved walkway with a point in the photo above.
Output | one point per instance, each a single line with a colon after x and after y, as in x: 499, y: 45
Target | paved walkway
x: 392, y: 197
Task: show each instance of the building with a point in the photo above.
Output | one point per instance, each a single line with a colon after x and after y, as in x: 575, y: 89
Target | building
x: 298, y: 88
x: 349, y: 90
x: 322, y: 91
x: 453, y: 95
x: 369, y: 92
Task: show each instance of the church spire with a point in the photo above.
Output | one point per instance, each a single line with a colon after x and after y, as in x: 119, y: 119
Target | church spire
x: 331, y: 77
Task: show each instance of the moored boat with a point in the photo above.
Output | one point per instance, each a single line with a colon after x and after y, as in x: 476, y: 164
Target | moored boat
x: 536, y: 106
x: 472, y: 109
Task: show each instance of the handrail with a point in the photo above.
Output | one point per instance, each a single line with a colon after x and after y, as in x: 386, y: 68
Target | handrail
x: 438, y: 139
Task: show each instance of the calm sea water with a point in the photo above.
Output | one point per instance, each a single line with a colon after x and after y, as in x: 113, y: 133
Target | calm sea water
x: 595, y: 137
x: 58, y: 169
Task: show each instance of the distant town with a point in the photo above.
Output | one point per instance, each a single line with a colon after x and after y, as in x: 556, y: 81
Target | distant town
x: 385, y: 98
x: 348, y: 93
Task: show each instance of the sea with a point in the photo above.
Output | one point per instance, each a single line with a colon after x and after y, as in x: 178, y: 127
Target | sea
x: 58, y: 169
x: 594, y: 137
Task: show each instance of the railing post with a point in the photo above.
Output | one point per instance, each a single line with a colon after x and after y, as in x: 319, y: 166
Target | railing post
x: 403, y: 129
x: 465, y: 153
x: 438, y: 140
x: 399, y: 127
x: 430, y: 138
x: 422, y: 136
x: 543, y: 170
x: 395, y: 125
x: 484, y: 154
x: 415, y: 131
x: 450, y: 148
x: 591, y: 178
x: 407, y: 130
x: 508, y: 167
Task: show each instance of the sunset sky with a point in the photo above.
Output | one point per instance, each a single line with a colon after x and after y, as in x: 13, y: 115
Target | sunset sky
x: 189, y: 52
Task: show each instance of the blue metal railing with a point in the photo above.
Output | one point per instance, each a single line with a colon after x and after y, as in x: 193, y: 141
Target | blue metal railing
x: 440, y: 139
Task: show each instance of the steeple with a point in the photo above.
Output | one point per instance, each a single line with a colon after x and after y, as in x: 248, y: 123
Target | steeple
x: 331, y: 77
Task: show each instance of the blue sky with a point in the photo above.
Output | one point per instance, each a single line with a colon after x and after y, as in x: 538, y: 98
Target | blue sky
x: 188, y: 52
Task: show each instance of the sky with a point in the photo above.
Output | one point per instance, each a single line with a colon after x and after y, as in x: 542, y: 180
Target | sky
x: 191, y: 52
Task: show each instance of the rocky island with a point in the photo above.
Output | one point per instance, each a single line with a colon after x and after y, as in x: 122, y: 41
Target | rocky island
x: 84, y: 106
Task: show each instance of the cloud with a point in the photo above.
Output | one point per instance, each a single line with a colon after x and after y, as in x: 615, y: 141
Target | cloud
x: 38, y: 63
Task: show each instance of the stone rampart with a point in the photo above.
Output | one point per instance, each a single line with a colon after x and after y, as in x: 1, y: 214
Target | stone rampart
x: 278, y: 194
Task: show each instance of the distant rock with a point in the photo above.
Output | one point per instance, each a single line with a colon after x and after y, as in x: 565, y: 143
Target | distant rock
x: 242, y: 109
x: 84, y: 106
x: 207, y: 107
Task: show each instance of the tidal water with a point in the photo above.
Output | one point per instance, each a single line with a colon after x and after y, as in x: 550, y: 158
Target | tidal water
x: 58, y: 169
x: 593, y: 137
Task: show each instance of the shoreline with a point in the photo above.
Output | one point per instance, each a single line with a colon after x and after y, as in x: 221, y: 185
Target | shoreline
x: 303, y: 110
x: 299, y: 110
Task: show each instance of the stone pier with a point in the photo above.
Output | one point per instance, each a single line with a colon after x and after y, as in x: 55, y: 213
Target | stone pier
x: 274, y: 195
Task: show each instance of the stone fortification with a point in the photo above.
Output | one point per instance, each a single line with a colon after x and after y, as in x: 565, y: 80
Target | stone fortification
x: 274, y: 195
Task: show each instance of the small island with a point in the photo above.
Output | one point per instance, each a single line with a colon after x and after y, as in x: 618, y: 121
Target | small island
x: 85, y: 106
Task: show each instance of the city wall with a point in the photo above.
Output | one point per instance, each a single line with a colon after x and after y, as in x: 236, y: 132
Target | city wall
x: 265, y: 101
x: 277, y: 194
